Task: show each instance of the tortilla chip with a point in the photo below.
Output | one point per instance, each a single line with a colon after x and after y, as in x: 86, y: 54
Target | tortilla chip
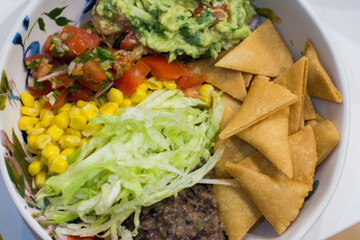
x: 309, y: 110
x: 227, y: 80
x: 319, y: 83
x: 259, y: 163
x: 303, y: 154
x: 326, y: 135
x: 278, y: 200
x: 235, y: 148
x: 262, y: 52
x: 295, y: 79
x: 247, y: 78
x: 270, y: 137
x: 236, y: 210
x: 263, y: 99
x: 233, y: 103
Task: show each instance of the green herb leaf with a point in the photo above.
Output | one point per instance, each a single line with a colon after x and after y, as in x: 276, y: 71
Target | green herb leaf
x: 55, y: 12
x: 207, y: 19
x: 105, y: 54
x: 74, y: 88
x: 41, y: 24
x: 40, y: 86
x: 56, y: 93
x: 105, y: 65
x: 62, y: 21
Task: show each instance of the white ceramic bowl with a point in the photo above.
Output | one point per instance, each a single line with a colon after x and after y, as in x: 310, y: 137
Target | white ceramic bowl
x: 299, y: 22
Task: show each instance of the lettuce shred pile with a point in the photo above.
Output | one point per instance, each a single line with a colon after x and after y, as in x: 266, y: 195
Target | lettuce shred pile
x: 146, y: 154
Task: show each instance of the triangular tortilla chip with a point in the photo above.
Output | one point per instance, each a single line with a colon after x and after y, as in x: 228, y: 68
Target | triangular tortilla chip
x: 263, y: 99
x: 303, y: 154
x: 309, y: 110
x: 227, y: 80
x: 235, y: 148
x: 326, y: 135
x: 247, y: 78
x: 319, y: 83
x: 295, y: 79
x: 236, y: 210
x: 270, y: 137
x: 278, y: 200
x: 262, y: 52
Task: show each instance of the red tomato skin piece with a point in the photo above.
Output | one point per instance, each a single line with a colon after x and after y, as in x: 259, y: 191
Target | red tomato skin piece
x: 93, y: 72
x: 130, y: 41
x: 60, y: 100
x: 81, y: 94
x: 192, y: 80
x: 132, y: 78
x: 63, y: 81
x: 193, y: 92
x: 164, y: 70
x: 36, y: 93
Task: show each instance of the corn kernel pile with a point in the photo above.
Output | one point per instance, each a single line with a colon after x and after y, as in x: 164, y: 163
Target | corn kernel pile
x: 53, y: 135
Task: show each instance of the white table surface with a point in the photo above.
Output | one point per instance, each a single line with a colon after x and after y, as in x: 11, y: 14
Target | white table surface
x: 342, y: 20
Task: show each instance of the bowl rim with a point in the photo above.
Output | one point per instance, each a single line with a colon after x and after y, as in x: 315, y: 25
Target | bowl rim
x: 334, y: 182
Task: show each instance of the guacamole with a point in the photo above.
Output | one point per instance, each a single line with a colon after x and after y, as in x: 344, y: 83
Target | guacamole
x: 191, y: 27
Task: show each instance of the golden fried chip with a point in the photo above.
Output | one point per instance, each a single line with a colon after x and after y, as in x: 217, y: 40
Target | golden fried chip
x: 278, y: 200
x: 326, y: 135
x: 303, y: 154
x: 319, y: 83
x: 270, y: 137
x: 262, y: 52
x: 263, y: 99
x: 309, y: 110
x: 295, y: 79
x: 235, y: 148
x: 247, y: 78
x: 227, y: 80
x: 236, y: 210
x: 233, y: 103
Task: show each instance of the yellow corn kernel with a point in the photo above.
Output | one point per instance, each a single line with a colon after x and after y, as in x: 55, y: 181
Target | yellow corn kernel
x: 206, y: 90
x: 143, y: 87
x: 55, y: 133
x: 65, y: 108
x: 31, y: 139
x: 171, y: 85
x: 72, y: 131
x: 42, y: 141
x: 50, y: 150
x: 149, y: 92
x: 62, y: 142
x: 67, y: 151
x: 83, y: 140
x: 108, y: 108
x: 38, y: 105
x: 35, y: 167
x: 58, y: 165
x: 154, y: 84
x: 51, y: 160
x: 71, y: 141
x: 31, y: 150
x: 36, y: 131
x: 62, y: 120
x: 40, y: 179
x: 81, y: 103
x: 138, y: 95
x: 206, y: 100
x: 26, y: 123
x: 29, y: 111
x: 89, y: 129
x: 103, y: 100
x: 89, y: 111
x: 115, y: 95
x: 126, y: 103
x: 27, y: 99
x: 46, y: 116
x: 77, y: 122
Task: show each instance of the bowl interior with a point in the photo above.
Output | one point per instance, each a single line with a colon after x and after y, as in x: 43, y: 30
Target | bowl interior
x: 298, y: 24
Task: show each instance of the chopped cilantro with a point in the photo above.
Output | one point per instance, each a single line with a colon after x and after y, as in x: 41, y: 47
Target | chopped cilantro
x: 71, y: 77
x: 52, y: 80
x: 108, y: 74
x: 56, y: 93
x: 105, y: 84
x: 105, y: 65
x: 207, y: 19
x: 104, y: 54
x: 68, y: 36
x: 33, y: 63
x: 39, y: 86
x: 74, y: 88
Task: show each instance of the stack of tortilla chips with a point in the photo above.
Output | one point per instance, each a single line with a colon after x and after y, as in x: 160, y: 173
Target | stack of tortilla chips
x: 274, y: 139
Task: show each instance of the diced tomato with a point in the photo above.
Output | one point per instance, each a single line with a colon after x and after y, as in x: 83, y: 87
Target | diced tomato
x: 63, y: 81
x: 93, y: 71
x: 40, y: 89
x: 132, y: 78
x: 79, y: 39
x: 163, y: 70
x: 96, y: 87
x: 129, y: 42
x: 192, y: 92
x: 192, y: 80
x: 33, y: 57
x: 47, y: 45
x: 81, y: 94
x: 60, y: 99
x: 44, y: 70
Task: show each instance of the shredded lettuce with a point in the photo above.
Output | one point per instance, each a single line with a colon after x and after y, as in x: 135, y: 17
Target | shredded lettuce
x: 148, y: 153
